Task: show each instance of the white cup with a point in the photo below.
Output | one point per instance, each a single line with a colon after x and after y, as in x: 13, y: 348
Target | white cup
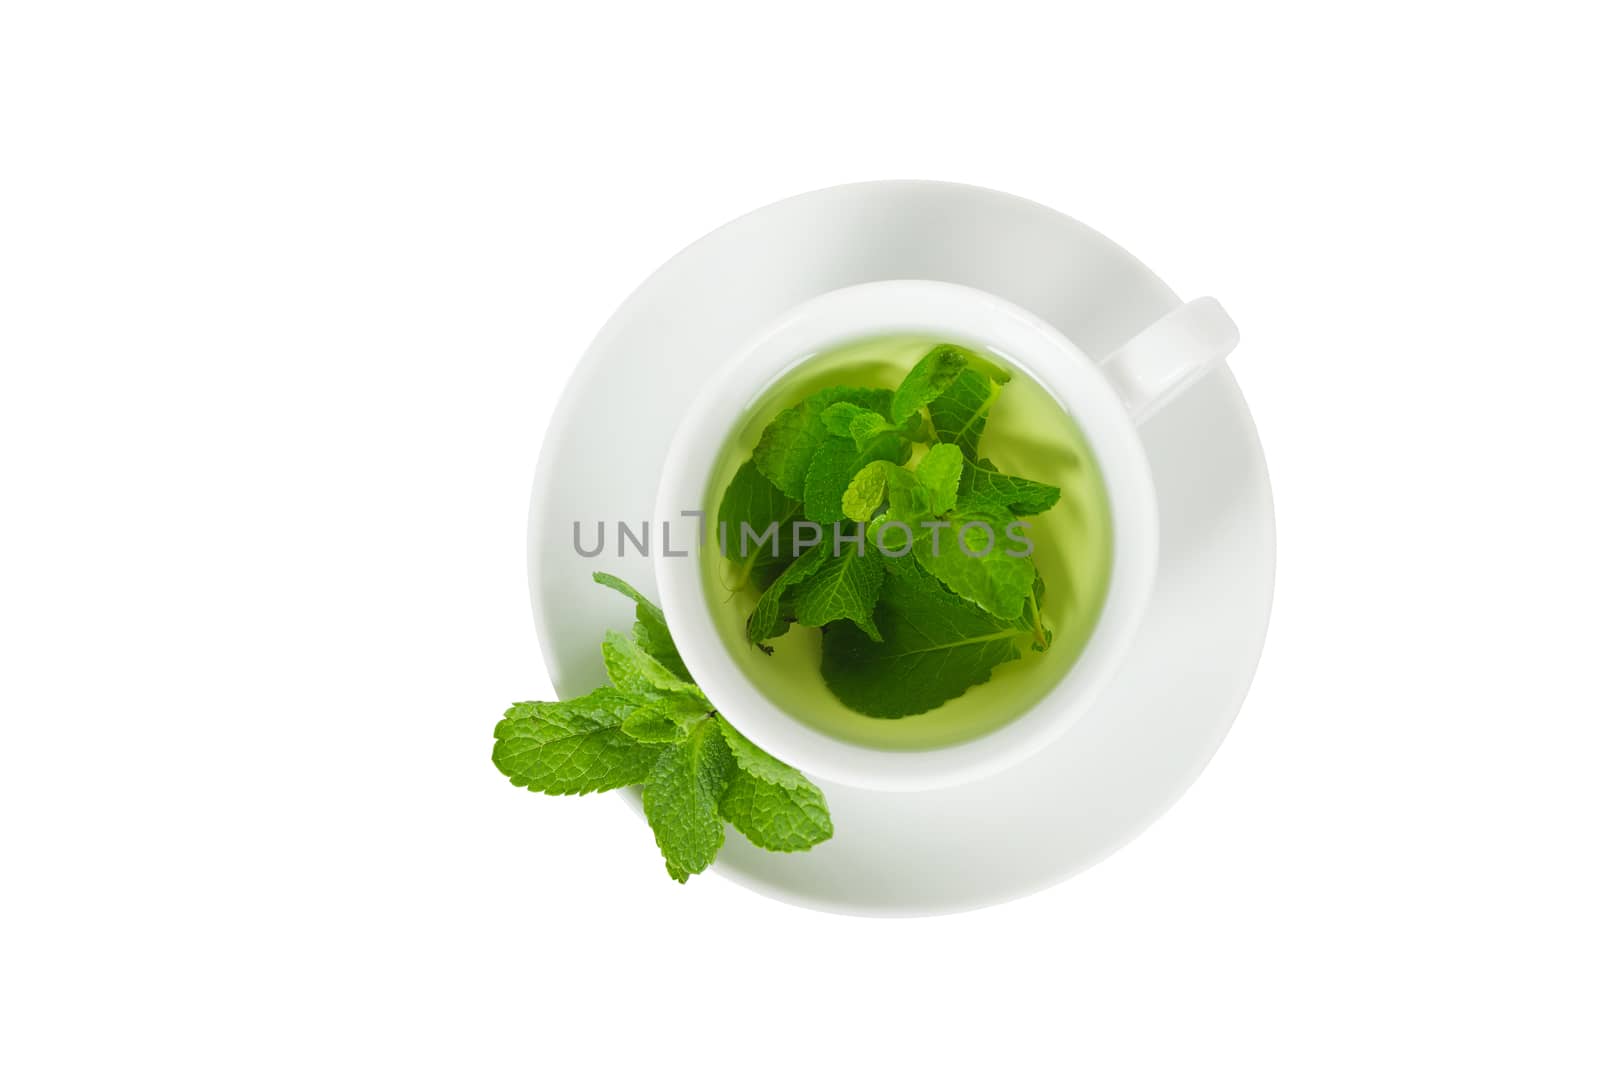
x: 1107, y: 400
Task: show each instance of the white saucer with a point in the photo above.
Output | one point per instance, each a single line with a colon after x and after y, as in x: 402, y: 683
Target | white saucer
x: 1125, y: 760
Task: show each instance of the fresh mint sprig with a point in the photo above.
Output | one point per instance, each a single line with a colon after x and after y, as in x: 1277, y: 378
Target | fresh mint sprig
x: 653, y: 727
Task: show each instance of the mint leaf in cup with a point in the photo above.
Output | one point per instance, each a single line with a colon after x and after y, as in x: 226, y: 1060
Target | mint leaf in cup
x: 772, y: 613
x: 840, y: 417
x: 984, y: 489
x: 836, y: 462
x: 846, y: 420
x: 961, y: 411
x: 944, y: 590
x: 969, y: 552
x: 972, y: 552
x: 845, y: 587
x: 940, y: 473
x: 864, y: 496
x: 790, y: 442
x: 934, y: 647
x: 928, y: 380
x: 755, y: 528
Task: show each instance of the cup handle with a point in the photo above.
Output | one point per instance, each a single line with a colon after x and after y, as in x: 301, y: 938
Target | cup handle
x: 1170, y: 355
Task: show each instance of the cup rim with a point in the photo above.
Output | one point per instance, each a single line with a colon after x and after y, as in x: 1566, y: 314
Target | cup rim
x: 1033, y: 347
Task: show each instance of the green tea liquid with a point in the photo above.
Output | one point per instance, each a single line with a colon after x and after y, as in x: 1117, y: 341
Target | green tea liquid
x: 1029, y: 435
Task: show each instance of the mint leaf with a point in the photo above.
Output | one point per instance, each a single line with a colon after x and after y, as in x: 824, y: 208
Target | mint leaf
x: 634, y: 671
x: 667, y: 719
x: 967, y: 550
x: 681, y: 796
x: 836, y: 463
x: 784, y: 821
x: 770, y: 802
x: 757, y: 761
x: 767, y: 620
x: 845, y: 420
x: 572, y: 747
x: 791, y: 440
x: 751, y: 500
x: 961, y: 411
x: 969, y: 556
x: 940, y: 472
x: 838, y: 418
x: 844, y: 587
x: 908, y: 497
x: 932, y: 375
x: 650, y: 628
x: 868, y: 425
x: 864, y: 496
x: 983, y: 489
x: 935, y: 647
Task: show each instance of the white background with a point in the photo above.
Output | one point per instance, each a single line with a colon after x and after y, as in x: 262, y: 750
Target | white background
x: 288, y: 291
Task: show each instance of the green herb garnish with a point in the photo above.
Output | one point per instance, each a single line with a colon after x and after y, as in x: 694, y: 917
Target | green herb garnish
x: 923, y: 581
x: 654, y: 727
